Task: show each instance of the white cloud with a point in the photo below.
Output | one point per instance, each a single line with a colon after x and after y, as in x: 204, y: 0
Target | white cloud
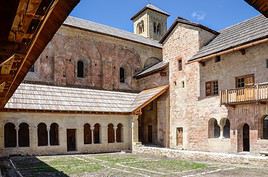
x: 198, y: 15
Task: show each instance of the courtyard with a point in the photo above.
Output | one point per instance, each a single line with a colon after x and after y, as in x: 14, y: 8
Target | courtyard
x: 124, y: 164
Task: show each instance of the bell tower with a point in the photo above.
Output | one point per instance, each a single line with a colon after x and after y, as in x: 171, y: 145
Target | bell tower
x: 150, y: 22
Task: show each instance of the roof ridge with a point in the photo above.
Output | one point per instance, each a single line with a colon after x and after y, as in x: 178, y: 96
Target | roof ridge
x: 239, y: 23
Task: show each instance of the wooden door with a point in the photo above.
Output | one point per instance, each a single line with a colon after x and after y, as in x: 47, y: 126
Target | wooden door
x: 179, y: 136
x: 71, y: 139
x: 246, y: 142
x: 245, y: 88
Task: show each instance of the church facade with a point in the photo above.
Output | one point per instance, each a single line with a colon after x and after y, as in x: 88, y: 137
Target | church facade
x: 100, y: 89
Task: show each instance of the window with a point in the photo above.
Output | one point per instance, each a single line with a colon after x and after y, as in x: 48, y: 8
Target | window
x: 217, y: 59
x: 24, y: 139
x: 155, y: 27
x: 122, y: 75
x: 265, y: 127
x: 182, y: 84
x: 54, y: 134
x: 32, y: 69
x: 266, y: 63
x: 10, y: 135
x: 244, y: 81
x: 213, y: 129
x: 87, y: 134
x: 226, y: 129
x: 179, y: 136
x: 212, y: 88
x: 158, y: 30
x: 97, y: 134
x: 111, y: 133
x: 180, y: 64
x: 42, y: 134
x: 80, y: 69
x: 119, y: 133
x: 140, y: 27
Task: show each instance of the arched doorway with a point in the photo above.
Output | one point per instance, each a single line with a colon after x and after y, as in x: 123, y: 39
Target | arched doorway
x: 246, y: 138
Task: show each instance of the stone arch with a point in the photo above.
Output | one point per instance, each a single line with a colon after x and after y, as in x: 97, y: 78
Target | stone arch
x: 42, y: 134
x: 225, y: 125
x: 119, y: 133
x: 24, y: 135
x: 87, y: 134
x: 97, y: 128
x: 140, y: 27
x: 54, y: 134
x: 10, y: 135
x: 213, y: 128
x: 151, y: 61
x: 111, y: 138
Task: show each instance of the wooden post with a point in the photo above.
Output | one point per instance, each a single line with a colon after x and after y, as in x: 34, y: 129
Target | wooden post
x: 257, y: 95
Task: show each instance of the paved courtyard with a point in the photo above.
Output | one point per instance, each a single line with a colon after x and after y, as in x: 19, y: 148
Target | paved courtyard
x: 130, y: 165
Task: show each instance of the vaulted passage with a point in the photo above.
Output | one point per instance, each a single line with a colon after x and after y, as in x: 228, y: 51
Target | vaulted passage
x: 42, y: 134
x: 87, y: 134
x: 54, y: 134
x: 24, y: 140
x: 111, y: 133
x: 119, y: 133
x: 10, y: 135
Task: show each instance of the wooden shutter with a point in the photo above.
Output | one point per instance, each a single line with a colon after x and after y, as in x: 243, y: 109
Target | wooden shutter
x: 249, y: 80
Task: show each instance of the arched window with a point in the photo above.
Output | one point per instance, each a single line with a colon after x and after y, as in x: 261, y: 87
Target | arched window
x: 122, y: 75
x: 10, y: 135
x: 158, y: 30
x: 42, y: 134
x: 265, y: 127
x: 97, y: 134
x: 111, y: 133
x: 119, y: 133
x: 213, y: 129
x: 24, y: 139
x: 140, y: 27
x: 80, y: 69
x: 155, y: 27
x: 87, y: 134
x: 226, y: 129
x: 54, y: 134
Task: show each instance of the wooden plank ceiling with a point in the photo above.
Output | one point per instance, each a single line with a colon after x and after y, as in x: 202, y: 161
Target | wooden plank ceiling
x: 260, y: 5
x: 26, y: 28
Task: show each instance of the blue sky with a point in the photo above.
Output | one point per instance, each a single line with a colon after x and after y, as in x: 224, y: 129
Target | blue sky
x: 216, y: 14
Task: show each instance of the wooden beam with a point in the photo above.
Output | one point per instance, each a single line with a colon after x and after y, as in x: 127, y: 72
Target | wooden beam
x: 4, y: 78
x: 13, y: 57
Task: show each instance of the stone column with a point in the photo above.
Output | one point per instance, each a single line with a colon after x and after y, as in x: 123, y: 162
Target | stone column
x: 17, y: 135
x: 48, y: 135
x: 2, y: 139
x: 135, y: 130
x: 115, y: 134
x: 92, y: 134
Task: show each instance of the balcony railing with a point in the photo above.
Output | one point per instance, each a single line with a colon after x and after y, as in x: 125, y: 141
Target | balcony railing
x: 256, y: 93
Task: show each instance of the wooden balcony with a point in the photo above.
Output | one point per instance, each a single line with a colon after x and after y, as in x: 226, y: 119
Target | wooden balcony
x: 253, y: 94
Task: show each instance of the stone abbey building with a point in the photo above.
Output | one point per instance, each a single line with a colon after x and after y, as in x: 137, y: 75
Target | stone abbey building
x: 100, y: 89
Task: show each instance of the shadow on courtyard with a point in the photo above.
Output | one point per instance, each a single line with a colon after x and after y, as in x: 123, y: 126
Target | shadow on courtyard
x: 30, y: 166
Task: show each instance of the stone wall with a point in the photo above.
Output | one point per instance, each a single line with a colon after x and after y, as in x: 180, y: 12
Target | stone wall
x: 103, y: 56
x: 67, y: 121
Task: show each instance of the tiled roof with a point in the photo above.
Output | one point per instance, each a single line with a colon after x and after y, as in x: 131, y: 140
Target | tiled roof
x: 54, y: 98
x: 155, y: 68
x: 186, y: 22
x: 152, y: 7
x: 111, y: 31
x: 245, y: 32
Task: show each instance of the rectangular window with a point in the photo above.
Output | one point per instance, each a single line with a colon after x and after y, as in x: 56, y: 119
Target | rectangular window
x: 217, y: 59
x: 212, y: 88
x: 244, y: 81
x: 266, y: 63
x: 180, y: 65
